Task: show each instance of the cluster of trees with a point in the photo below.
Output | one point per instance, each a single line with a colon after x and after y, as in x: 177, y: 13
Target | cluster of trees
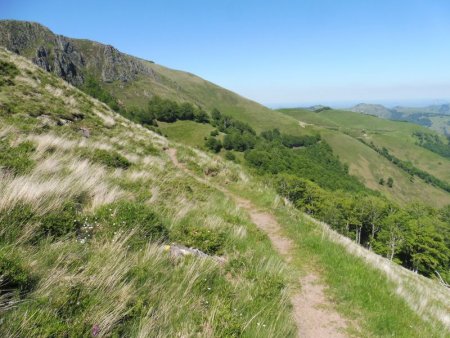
x: 239, y: 136
x: 165, y: 110
x: 434, y: 143
x: 409, y: 167
x: 290, y: 141
x: 416, y: 237
x: 316, y: 163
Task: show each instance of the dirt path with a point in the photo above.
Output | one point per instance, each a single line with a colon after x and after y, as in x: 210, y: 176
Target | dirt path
x: 313, y: 313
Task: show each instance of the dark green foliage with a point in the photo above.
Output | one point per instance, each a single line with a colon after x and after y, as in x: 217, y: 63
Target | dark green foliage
x: 316, y: 163
x: 141, y: 116
x: 93, y: 88
x: 166, y: 110
x: 201, y: 116
x: 199, y: 237
x: 14, y: 276
x: 381, y: 181
x: 13, y: 220
x: 290, y: 141
x: 61, y: 222
x: 8, y: 72
x: 214, y: 133
x: 434, y: 143
x: 390, y: 182
x: 239, y: 141
x: 415, y: 238
x: 109, y: 158
x: 126, y: 215
x: 213, y: 144
x: 16, y: 160
x: 227, y: 124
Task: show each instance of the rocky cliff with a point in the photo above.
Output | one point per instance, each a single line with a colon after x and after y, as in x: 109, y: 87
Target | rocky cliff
x: 69, y: 58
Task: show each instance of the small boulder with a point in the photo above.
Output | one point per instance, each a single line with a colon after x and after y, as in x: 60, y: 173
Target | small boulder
x: 85, y: 132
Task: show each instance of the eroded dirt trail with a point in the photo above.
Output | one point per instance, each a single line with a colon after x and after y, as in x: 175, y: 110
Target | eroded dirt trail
x: 314, y: 314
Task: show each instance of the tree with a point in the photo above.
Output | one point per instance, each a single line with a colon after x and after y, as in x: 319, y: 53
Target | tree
x: 186, y: 111
x: 391, y: 238
x: 201, y: 116
x: 381, y: 181
x: 424, y: 250
x: 213, y: 144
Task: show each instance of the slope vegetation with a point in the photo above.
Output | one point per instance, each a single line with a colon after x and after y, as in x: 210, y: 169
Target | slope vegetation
x: 101, y: 234
x: 344, y: 132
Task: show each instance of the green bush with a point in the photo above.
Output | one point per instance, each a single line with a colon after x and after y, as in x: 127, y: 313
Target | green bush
x: 16, y: 159
x: 126, y: 216
x: 109, y: 158
x: 14, y: 277
x: 13, y: 220
x: 199, y: 237
x: 213, y: 144
x: 60, y: 222
x: 8, y: 72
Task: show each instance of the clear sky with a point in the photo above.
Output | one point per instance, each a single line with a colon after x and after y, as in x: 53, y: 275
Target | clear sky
x: 277, y: 52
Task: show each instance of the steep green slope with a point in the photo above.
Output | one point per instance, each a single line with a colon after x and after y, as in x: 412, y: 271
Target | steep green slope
x: 94, y: 220
x: 93, y: 216
x: 342, y: 129
x: 131, y: 80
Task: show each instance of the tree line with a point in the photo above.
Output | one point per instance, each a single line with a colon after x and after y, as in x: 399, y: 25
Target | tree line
x: 409, y: 167
x: 416, y: 236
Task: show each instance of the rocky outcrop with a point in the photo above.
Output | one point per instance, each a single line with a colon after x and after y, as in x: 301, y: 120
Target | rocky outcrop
x: 70, y: 59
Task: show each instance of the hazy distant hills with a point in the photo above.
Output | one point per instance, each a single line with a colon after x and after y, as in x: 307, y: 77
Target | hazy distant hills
x: 436, y: 117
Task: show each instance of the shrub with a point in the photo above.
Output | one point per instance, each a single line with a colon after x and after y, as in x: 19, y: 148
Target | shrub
x: 8, y: 72
x: 199, y: 237
x: 126, y: 215
x: 13, y: 220
x: 13, y: 275
x: 109, y: 158
x: 16, y: 159
x: 390, y: 182
x: 214, y: 132
x: 60, y: 222
x: 213, y: 144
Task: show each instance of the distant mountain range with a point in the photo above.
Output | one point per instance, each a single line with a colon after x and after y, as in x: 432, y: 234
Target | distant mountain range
x: 436, y: 117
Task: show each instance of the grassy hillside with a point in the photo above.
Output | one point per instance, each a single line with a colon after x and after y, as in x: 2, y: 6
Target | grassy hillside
x: 341, y: 130
x: 94, y: 218
x: 129, y: 79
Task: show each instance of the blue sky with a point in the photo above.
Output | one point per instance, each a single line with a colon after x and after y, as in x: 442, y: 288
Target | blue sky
x: 280, y: 53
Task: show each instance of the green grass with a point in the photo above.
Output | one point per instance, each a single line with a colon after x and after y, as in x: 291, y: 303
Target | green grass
x: 187, y: 132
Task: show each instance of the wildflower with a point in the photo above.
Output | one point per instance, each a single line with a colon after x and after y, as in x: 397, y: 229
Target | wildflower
x: 95, y: 330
